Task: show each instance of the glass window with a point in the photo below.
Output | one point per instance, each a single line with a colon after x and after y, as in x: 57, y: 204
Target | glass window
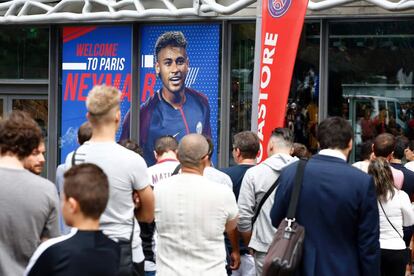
x: 302, y: 109
x: 24, y: 53
x: 242, y: 62
x: 372, y: 62
x: 302, y: 112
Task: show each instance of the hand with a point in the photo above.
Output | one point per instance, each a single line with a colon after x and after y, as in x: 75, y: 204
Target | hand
x: 235, y: 260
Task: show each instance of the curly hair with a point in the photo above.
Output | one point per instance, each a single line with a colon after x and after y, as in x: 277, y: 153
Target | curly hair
x: 174, y: 39
x: 19, y: 135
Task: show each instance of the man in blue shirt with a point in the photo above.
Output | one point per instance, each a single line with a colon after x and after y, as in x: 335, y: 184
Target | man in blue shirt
x: 174, y: 109
x: 246, y: 146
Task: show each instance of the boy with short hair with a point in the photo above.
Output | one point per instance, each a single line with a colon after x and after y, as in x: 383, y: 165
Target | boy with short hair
x: 86, y: 250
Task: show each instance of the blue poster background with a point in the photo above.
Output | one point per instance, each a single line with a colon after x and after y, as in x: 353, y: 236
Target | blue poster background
x: 203, y: 53
x: 111, y: 46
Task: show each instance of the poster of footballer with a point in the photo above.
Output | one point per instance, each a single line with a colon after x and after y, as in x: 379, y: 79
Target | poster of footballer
x: 92, y: 55
x: 179, y: 83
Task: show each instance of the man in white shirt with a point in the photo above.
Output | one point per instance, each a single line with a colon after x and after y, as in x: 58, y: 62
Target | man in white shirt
x: 165, y: 152
x: 192, y: 213
x: 126, y: 170
x: 212, y: 173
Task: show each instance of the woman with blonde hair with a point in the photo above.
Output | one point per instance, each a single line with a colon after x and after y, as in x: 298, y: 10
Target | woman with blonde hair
x: 395, y: 211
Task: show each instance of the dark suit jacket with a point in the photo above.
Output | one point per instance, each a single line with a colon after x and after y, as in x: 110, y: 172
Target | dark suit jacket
x: 338, y: 208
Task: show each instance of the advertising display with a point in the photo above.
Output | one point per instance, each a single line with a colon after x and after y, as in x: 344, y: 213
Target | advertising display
x: 179, y: 85
x: 91, y: 55
x: 282, y: 22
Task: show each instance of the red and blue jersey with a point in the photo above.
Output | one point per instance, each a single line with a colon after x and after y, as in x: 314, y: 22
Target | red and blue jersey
x: 159, y: 118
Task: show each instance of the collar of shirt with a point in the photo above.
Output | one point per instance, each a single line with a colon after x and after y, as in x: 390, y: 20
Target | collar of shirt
x: 333, y: 153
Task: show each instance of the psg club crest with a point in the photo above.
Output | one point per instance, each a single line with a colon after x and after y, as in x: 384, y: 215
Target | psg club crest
x: 278, y: 8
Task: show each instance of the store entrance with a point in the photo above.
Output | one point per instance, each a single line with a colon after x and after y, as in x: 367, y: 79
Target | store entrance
x: 35, y: 105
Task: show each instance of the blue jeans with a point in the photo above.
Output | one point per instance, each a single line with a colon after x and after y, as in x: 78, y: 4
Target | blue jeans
x: 149, y: 273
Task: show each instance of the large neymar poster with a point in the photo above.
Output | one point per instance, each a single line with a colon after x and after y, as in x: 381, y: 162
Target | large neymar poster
x: 91, y: 55
x: 179, y: 83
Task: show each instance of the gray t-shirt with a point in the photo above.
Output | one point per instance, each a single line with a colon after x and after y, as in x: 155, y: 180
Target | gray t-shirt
x: 29, y: 211
x: 126, y: 171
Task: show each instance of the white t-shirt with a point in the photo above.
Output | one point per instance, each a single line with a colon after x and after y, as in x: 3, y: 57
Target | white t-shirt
x: 217, y: 176
x: 401, y: 213
x: 362, y: 165
x: 162, y: 170
x: 126, y: 171
x: 410, y: 165
x: 191, y: 213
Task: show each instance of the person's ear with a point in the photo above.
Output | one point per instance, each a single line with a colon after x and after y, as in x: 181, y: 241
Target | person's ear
x: 238, y: 153
x: 157, y: 69
x: 155, y: 154
x: 88, y: 115
x: 118, y: 116
x: 206, y: 161
x: 73, y: 205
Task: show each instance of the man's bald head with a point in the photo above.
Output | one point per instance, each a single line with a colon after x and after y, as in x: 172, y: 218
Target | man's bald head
x: 192, y: 149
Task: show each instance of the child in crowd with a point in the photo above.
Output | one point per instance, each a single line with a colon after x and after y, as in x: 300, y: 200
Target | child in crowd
x: 86, y: 250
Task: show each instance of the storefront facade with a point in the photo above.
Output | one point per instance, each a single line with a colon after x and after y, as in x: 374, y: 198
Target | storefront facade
x: 353, y: 61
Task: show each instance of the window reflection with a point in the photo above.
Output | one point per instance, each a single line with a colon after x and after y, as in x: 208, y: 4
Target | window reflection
x: 371, y: 77
x: 302, y: 109
x: 242, y: 63
x: 24, y: 53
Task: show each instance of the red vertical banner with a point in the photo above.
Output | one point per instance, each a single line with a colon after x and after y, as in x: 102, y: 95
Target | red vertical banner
x: 282, y: 22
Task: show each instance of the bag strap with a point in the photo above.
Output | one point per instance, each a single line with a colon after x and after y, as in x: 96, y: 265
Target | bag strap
x: 294, y: 198
x: 389, y: 220
x: 264, y: 198
x: 176, y: 170
x: 74, y: 157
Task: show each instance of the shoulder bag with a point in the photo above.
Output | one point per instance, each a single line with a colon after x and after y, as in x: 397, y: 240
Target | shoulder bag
x: 285, y: 251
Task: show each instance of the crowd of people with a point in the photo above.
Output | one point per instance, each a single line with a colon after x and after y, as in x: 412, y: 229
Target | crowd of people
x: 182, y: 216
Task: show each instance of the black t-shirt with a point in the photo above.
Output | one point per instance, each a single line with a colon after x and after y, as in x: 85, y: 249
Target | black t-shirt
x: 236, y: 174
x: 82, y: 253
x: 408, y: 184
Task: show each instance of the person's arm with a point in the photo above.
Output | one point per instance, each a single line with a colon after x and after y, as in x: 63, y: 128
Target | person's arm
x: 233, y: 236
x: 145, y: 202
x: 51, y: 228
x: 230, y: 206
x: 246, y: 203
x: 368, y: 232
x: 143, y: 195
x: 207, y: 123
